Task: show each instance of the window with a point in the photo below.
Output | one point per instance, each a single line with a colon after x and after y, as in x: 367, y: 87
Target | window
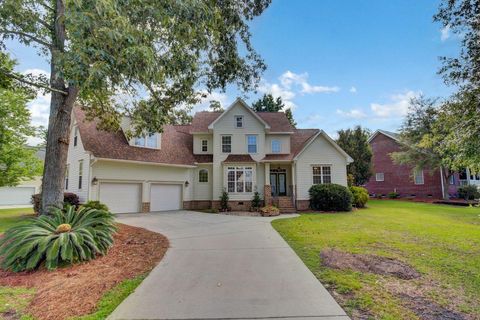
x: 379, y: 176
x: 322, y: 174
x: 203, y: 175
x: 276, y: 146
x: 204, y: 145
x: 418, y: 175
x: 80, y: 173
x: 451, y: 180
x: 226, y: 144
x: 239, y: 179
x: 238, y: 121
x: 67, y: 173
x: 149, y: 141
x: 75, y: 136
x: 252, y: 144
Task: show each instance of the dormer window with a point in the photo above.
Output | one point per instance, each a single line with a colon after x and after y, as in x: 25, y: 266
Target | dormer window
x: 238, y: 121
x: 148, y: 141
x: 204, y: 145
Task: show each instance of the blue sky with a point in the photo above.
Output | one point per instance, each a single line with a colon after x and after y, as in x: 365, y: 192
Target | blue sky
x: 336, y: 63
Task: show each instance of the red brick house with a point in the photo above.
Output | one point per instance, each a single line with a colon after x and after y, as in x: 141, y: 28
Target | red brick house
x: 391, y: 177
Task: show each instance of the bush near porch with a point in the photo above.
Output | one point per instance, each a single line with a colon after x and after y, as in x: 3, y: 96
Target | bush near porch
x: 440, y: 242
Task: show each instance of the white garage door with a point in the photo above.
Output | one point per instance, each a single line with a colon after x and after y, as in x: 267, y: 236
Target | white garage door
x: 16, y: 195
x: 165, y: 197
x: 121, y: 197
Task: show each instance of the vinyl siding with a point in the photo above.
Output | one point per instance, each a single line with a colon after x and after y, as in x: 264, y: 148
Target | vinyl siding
x: 112, y: 171
x: 226, y: 126
x: 75, y: 154
x: 319, y: 151
x: 197, y: 143
x: 284, y: 140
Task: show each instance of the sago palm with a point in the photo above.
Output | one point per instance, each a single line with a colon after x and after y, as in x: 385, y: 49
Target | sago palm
x: 64, y: 237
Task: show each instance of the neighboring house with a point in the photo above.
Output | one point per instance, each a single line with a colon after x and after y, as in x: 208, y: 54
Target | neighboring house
x: 403, y: 179
x: 189, y: 166
x: 22, y: 193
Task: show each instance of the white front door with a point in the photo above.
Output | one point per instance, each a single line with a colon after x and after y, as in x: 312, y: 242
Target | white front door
x: 164, y: 197
x: 121, y: 197
x: 16, y: 195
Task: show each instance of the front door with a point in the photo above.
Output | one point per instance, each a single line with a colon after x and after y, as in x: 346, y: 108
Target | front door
x: 278, y: 182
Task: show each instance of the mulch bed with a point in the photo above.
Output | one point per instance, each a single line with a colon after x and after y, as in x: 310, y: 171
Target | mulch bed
x: 75, y: 290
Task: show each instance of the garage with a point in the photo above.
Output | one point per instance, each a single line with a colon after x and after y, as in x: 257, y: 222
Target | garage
x: 164, y: 197
x: 16, y: 195
x: 121, y: 197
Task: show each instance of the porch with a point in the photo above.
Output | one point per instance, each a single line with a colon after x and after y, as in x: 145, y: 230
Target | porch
x: 466, y: 177
x: 280, y: 186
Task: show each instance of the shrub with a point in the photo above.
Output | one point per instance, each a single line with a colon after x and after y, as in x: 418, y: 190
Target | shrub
x: 393, y: 195
x: 360, y: 196
x: 95, y: 205
x: 64, y: 237
x: 469, y: 192
x: 330, y: 197
x: 68, y: 198
x: 269, y: 211
x: 256, y: 200
x: 224, y: 201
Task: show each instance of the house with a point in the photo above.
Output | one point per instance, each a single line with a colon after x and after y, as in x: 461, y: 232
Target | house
x: 405, y: 180
x: 21, y: 194
x: 189, y: 166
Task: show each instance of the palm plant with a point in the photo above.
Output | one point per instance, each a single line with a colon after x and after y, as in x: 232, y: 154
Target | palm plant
x: 62, y: 238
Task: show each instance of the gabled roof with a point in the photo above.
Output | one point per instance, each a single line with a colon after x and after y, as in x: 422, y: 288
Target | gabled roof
x: 239, y: 101
x: 330, y: 140
x: 236, y: 158
x: 391, y: 135
x: 176, y: 148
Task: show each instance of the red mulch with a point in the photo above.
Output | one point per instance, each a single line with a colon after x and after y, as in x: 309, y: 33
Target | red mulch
x: 75, y: 290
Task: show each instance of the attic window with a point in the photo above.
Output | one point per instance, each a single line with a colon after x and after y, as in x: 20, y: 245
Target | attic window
x: 238, y: 121
x: 379, y: 176
x: 75, y: 136
x: 148, y: 141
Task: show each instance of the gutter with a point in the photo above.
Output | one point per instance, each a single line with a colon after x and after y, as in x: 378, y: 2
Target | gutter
x: 147, y: 163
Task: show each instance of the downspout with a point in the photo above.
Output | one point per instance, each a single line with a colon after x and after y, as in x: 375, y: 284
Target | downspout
x: 443, y: 185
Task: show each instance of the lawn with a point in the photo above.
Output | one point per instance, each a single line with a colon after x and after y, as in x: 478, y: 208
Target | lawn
x: 8, y: 217
x: 441, y: 242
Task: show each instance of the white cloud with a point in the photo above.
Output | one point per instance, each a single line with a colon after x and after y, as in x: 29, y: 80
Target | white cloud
x: 354, y: 113
x: 398, y: 105
x: 353, y: 90
x: 288, y: 78
x: 278, y: 90
x: 445, y: 33
x: 313, y: 120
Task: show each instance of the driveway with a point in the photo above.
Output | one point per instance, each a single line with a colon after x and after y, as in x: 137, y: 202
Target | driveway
x: 224, y: 267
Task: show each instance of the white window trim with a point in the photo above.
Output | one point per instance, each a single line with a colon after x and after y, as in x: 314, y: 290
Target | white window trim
x: 377, y: 177
x: 208, y: 176
x: 227, y: 168
x: 415, y: 177
x: 321, y: 173
x: 221, y: 142
x: 145, y: 144
x: 279, y: 146
x: 206, y: 145
x: 75, y: 137
x: 80, y: 175
x: 256, y: 143
x: 235, y: 119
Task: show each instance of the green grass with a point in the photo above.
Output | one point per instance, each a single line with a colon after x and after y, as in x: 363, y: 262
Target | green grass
x: 442, y: 242
x: 9, y: 217
x: 15, y: 299
x: 113, y: 298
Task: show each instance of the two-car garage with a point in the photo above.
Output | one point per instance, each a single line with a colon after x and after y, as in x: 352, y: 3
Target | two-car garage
x: 122, y: 197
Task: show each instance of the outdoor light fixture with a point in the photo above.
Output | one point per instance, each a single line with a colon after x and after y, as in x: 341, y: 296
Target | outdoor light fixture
x: 94, y: 181
x: 187, y: 183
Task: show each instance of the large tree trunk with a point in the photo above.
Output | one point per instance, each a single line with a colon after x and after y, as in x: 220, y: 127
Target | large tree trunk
x: 445, y: 176
x: 61, y: 105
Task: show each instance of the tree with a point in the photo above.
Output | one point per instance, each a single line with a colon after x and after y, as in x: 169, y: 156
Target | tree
x: 160, y: 49
x: 216, y: 106
x: 420, y: 139
x: 267, y: 103
x: 355, y: 143
x: 17, y: 161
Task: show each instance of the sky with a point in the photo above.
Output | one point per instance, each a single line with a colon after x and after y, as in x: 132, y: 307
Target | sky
x: 336, y: 63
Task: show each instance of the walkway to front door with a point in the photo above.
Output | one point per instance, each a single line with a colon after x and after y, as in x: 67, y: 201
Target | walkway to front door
x: 278, y: 182
x: 225, y: 267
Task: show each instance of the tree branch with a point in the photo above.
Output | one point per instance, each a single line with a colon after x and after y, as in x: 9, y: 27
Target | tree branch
x: 28, y: 36
x: 38, y: 85
x: 43, y: 4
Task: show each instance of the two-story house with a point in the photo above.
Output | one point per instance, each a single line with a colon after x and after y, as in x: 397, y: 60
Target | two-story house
x: 189, y: 166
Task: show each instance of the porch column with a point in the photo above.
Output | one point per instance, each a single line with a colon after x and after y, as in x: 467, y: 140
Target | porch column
x: 267, y: 189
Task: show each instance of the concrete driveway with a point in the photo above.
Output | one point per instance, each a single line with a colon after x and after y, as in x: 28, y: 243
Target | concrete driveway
x: 224, y: 267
